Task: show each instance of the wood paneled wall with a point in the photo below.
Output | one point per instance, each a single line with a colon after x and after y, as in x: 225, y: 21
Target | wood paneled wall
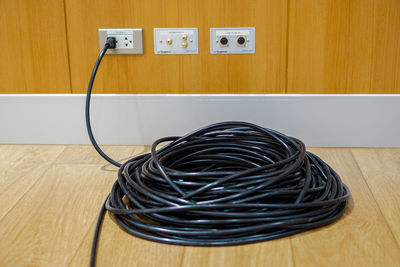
x: 302, y: 46
x: 202, y: 73
x: 344, y: 46
x: 33, y: 54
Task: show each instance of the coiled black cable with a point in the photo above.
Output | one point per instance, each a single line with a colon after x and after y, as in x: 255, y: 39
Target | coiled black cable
x: 224, y: 184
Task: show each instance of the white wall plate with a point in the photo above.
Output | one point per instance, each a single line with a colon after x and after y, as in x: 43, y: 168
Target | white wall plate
x: 175, y: 41
x: 129, y: 41
x: 233, y: 40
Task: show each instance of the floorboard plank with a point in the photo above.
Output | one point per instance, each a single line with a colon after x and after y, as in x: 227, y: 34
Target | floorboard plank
x: 47, y: 225
x: 381, y: 169
x: 360, y: 238
x: 52, y: 219
x: 20, y: 167
x: 118, y: 248
x: 86, y: 154
x: 271, y: 253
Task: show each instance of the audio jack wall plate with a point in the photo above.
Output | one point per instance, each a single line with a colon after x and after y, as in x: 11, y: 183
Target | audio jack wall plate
x: 175, y: 41
x: 233, y: 40
x: 128, y: 41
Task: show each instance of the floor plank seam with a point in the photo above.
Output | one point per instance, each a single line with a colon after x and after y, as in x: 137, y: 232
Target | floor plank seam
x: 292, y: 251
x: 59, y: 155
x: 183, y: 257
x: 92, y: 226
x: 373, y: 196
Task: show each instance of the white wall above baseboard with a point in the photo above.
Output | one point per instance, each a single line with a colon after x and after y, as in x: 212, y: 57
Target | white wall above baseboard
x: 318, y: 120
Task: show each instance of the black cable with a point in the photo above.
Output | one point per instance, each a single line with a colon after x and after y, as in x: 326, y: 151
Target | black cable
x: 224, y: 184
x: 109, y: 44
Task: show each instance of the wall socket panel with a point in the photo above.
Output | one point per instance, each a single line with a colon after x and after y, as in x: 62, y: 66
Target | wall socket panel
x: 176, y: 41
x: 128, y: 41
x: 233, y: 40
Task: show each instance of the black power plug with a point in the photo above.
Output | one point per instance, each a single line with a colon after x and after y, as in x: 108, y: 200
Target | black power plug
x: 111, y: 42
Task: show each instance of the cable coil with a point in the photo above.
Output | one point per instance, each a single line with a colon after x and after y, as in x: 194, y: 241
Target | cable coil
x: 224, y: 184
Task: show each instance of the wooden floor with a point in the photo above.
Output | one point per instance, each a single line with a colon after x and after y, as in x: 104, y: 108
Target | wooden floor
x: 50, y: 197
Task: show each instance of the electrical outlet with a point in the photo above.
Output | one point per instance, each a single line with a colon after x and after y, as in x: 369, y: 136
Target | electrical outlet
x: 128, y: 41
x: 232, y: 40
x: 175, y: 41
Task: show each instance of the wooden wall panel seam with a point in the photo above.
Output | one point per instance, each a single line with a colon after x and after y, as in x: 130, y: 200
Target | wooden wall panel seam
x: 67, y: 44
x: 287, y: 46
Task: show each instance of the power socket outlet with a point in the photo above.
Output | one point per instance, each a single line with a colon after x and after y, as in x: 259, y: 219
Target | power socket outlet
x: 123, y: 41
x: 128, y: 41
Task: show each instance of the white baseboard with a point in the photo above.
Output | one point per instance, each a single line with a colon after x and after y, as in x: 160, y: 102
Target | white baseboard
x: 318, y: 120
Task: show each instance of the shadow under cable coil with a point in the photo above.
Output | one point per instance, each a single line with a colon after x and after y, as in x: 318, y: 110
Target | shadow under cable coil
x: 224, y: 184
